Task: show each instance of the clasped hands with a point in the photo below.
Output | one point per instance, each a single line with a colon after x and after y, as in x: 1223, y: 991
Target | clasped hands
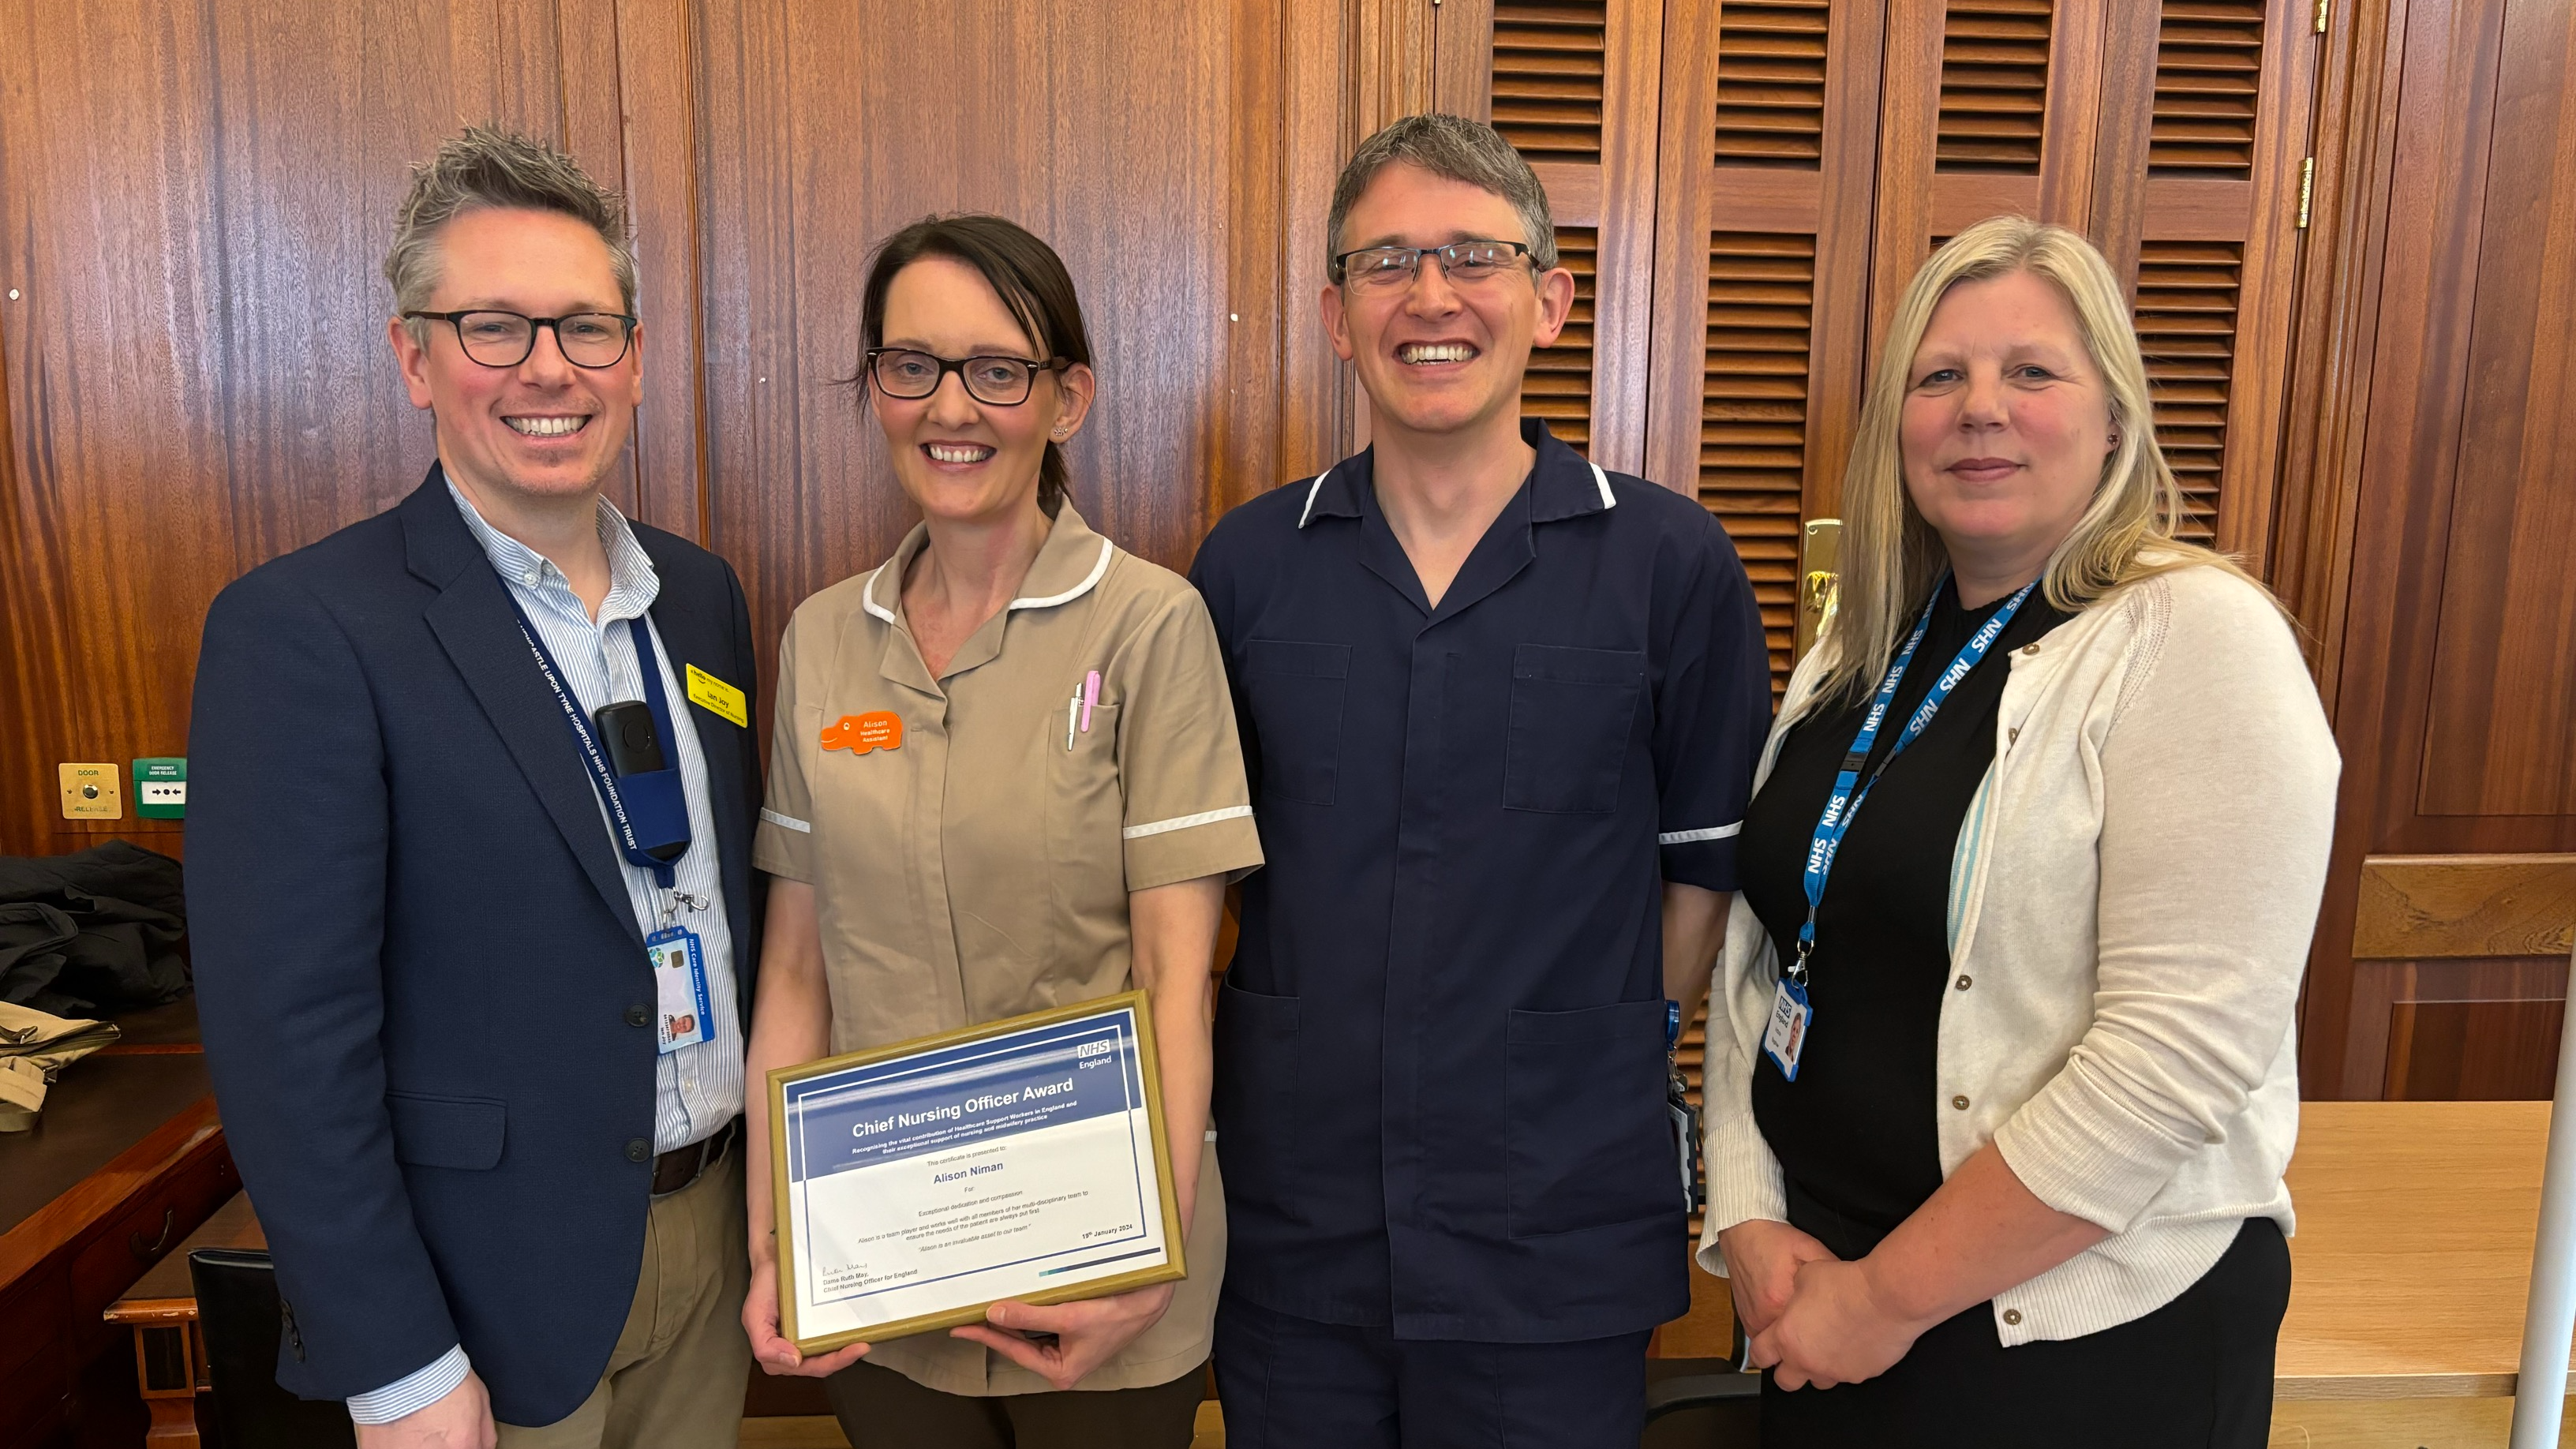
x: 1815, y: 1319
x: 1088, y: 1333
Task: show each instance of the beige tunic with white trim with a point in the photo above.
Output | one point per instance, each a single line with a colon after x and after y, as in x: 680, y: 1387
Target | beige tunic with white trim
x: 980, y: 868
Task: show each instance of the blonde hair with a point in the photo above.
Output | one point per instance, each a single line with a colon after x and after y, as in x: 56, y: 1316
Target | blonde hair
x: 1890, y: 555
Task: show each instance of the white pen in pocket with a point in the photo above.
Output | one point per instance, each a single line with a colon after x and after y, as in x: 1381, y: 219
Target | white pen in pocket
x: 1072, y: 712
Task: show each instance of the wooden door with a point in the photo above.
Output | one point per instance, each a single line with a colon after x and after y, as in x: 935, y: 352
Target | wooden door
x: 1572, y: 85
x: 2171, y: 135
x: 2431, y: 558
x: 1764, y: 216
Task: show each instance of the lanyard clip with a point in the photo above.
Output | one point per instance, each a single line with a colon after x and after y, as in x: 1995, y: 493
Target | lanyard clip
x: 1798, y: 968
x: 689, y: 900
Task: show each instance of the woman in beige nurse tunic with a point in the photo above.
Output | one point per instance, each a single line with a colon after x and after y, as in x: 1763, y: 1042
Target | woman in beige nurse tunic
x: 953, y: 841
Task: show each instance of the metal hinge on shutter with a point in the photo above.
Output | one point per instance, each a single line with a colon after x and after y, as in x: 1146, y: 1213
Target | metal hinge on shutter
x: 2322, y: 6
x: 2307, y: 183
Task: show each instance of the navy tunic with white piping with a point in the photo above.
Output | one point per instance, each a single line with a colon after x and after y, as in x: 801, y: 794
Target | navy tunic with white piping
x: 1440, y: 1048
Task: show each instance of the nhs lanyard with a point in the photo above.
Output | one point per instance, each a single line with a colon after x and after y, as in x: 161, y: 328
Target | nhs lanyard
x: 649, y: 664
x: 1849, y: 789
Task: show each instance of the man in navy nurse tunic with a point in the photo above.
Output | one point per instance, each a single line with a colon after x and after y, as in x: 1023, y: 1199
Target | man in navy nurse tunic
x: 1501, y: 710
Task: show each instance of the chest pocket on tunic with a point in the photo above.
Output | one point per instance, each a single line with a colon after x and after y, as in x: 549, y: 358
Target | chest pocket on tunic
x: 1571, y: 714
x: 1297, y: 693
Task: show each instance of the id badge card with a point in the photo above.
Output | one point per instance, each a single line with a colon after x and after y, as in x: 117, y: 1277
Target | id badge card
x: 682, y: 1014
x: 1786, y: 1037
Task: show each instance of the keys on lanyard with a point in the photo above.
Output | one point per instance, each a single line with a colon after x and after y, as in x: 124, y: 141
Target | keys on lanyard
x: 1684, y: 1113
x: 1791, y: 1014
x: 650, y: 813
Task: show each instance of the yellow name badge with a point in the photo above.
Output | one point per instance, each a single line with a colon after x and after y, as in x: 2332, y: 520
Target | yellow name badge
x: 708, y: 692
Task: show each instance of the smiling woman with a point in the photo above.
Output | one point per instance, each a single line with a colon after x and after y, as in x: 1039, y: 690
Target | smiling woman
x: 1048, y: 818
x: 2001, y: 1086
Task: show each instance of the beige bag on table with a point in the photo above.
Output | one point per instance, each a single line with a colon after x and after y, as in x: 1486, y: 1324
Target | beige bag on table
x: 34, y: 1048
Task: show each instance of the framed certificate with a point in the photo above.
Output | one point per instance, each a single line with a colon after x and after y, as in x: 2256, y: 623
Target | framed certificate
x: 917, y: 1184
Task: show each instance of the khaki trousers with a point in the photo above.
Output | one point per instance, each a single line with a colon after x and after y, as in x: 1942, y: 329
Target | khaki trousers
x: 675, y: 1379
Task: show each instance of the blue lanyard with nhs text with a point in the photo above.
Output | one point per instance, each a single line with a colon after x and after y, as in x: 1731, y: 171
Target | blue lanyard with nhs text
x: 1786, y: 1037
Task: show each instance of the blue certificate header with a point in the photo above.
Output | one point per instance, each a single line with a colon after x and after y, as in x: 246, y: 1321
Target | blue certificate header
x: 936, y: 1101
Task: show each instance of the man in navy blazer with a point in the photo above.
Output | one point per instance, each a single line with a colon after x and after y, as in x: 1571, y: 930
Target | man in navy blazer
x: 495, y: 1164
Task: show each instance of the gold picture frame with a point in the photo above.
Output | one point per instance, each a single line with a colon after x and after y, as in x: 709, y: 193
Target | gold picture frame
x: 1134, y: 1004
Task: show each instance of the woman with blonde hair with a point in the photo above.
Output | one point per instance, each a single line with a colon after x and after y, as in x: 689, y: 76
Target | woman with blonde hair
x: 2001, y: 1071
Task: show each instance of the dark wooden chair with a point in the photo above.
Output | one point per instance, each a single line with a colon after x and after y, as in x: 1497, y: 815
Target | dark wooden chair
x: 238, y: 1320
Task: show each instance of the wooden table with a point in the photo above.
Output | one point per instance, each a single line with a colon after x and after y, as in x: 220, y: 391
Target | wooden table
x: 126, y: 1160
x: 2410, y: 1267
x: 160, y: 1310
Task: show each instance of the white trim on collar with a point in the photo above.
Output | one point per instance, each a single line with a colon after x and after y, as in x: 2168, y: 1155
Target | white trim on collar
x: 1607, y: 499
x: 1318, y: 487
x: 1076, y: 592
x: 868, y: 596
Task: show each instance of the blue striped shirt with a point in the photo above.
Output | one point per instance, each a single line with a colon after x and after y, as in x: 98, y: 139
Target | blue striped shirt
x: 696, y: 1089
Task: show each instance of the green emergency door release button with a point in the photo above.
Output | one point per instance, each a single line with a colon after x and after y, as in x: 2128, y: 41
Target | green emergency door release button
x: 161, y: 788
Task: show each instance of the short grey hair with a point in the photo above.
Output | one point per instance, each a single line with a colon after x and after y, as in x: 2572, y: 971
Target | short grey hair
x: 484, y: 168
x: 1460, y: 150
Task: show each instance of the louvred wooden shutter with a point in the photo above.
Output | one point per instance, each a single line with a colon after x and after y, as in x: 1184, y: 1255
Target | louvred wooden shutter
x: 1571, y: 85
x: 1763, y: 259
x: 1547, y: 80
x: 1753, y: 413
x: 1558, y: 386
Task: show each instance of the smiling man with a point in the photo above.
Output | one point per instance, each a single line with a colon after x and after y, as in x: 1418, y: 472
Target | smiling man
x: 469, y: 876
x: 1500, y: 709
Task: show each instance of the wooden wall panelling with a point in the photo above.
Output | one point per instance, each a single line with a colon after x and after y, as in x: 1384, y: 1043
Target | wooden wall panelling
x: 1764, y: 220
x: 1316, y: 131
x: 1535, y: 64
x: 2473, y: 1051
x: 2488, y: 1027
x: 2359, y: 71
x: 2234, y: 97
x: 1573, y: 84
x: 2453, y: 507
x: 800, y: 494
x: 653, y: 67
x: 1909, y: 139
x: 2503, y: 695
x: 1389, y: 70
x: 196, y: 202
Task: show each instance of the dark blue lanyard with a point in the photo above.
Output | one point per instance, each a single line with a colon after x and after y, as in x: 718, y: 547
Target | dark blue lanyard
x: 1849, y: 790
x: 649, y: 663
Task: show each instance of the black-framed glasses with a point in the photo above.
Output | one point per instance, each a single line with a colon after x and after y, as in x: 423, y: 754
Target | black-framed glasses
x: 504, y: 339
x: 1465, y: 263
x: 1000, y: 381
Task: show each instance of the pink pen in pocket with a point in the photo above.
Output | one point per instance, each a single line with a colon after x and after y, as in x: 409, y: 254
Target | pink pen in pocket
x: 1090, y: 697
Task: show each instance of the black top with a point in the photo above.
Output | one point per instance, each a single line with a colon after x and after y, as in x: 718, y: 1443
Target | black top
x: 1440, y: 1052
x: 1856, y: 1134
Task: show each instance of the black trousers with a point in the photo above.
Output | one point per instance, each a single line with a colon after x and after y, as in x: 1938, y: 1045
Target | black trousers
x: 2196, y: 1372
x: 881, y: 1409
x: 1291, y: 1383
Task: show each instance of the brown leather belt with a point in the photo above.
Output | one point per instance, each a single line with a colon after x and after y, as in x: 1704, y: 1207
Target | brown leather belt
x: 681, y: 1166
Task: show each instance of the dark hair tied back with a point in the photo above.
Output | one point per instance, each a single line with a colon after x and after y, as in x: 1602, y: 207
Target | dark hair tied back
x: 1023, y: 271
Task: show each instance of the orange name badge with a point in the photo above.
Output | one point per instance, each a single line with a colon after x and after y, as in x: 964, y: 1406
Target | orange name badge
x: 880, y: 729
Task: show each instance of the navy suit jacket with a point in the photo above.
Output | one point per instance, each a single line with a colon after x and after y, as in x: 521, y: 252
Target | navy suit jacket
x: 415, y: 954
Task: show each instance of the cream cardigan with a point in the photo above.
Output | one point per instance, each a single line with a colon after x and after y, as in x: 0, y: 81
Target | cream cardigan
x: 2131, y: 897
